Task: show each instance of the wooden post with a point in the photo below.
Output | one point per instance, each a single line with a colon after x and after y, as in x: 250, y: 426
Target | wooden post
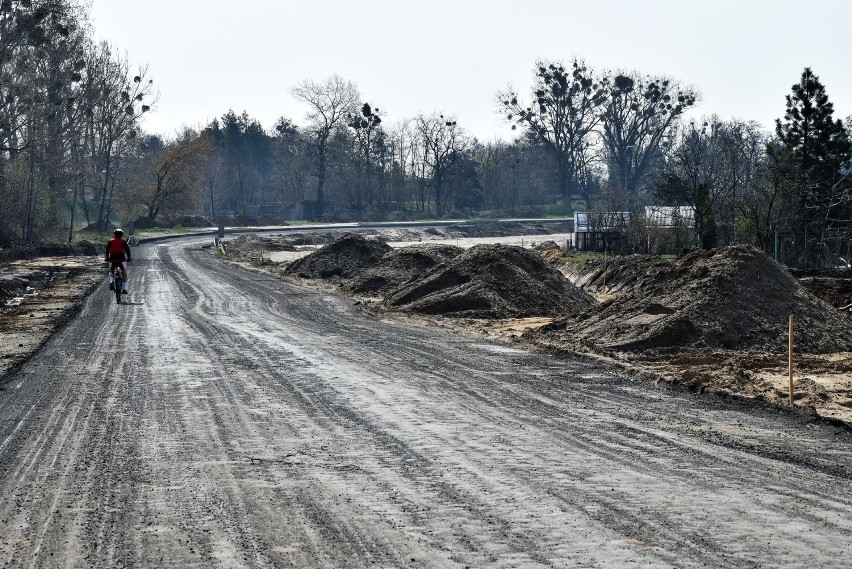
x: 604, y: 273
x: 790, y: 359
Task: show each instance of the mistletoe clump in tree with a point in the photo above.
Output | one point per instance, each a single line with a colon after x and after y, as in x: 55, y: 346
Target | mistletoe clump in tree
x: 640, y: 113
x: 562, y: 117
x: 368, y: 141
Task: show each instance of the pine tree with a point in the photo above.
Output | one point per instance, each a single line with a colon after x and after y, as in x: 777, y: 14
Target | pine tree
x: 821, y: 149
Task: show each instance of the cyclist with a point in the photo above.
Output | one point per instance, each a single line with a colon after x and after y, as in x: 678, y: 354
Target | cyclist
x: 118, y: 255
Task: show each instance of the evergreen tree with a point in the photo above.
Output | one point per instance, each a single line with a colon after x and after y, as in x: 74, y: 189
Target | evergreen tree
x: 821, y: 149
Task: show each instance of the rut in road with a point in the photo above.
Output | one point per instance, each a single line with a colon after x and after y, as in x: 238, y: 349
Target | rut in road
x: 225, y: 418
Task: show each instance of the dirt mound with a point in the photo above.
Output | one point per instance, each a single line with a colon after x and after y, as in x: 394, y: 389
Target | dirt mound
x: 188, y: 221
x: 735, y: 298
x: 251, y: 247
x: 835, y: 291
x: 492, y: 281
x: 552, y: 256
x: 400, y: 266
x: 343, y: 257
x: 509, y: 228
x: 617, y: 274
x: 831, y: 284
x: 547, y: 246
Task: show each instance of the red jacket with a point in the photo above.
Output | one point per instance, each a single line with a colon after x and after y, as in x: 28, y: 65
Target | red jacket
x: 117, y: 250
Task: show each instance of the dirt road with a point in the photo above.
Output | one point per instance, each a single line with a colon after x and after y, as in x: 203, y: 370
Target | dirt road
x: 226, y: 419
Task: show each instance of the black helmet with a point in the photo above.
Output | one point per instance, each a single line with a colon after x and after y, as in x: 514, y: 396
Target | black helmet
x: 118, y: 232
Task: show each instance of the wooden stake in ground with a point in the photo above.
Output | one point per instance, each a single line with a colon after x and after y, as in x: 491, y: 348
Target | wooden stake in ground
x: 790, y: 359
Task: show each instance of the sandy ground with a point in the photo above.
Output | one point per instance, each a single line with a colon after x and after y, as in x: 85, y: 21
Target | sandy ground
x: 822, y: 382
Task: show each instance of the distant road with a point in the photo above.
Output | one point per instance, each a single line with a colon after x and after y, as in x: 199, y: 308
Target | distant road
x: 228, y: 419
x: 342, y: 227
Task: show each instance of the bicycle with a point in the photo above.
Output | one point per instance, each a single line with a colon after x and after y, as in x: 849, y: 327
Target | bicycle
x: 117, y: 280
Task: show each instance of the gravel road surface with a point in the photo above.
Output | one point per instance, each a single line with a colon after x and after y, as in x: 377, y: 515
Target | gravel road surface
x: 223, y: 418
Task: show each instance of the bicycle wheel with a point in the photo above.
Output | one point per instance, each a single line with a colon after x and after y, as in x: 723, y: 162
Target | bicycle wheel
x: 118, y: 290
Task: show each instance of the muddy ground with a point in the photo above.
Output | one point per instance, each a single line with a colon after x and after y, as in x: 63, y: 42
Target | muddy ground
x: 708, y: 321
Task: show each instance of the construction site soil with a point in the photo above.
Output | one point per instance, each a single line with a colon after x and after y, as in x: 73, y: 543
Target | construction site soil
x: 710, y: 320
x: 36, y: 296
x: 732, y: 298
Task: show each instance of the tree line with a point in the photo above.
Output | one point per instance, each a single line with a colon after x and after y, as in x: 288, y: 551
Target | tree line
x: 70, y: 111
x: 75, y: 154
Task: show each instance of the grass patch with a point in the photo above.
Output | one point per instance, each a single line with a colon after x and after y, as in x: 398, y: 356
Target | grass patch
x: 156, y: 231
x: 579, y: 260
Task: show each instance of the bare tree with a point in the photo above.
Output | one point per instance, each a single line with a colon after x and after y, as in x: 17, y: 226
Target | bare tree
x: 768, y: 205
x: 639, y: 115
x: 214, y: 172
x: 329, y: 104
x: 695, y: 176
x: 563, y: 116
x: 177, y: 175
x: 116, y: 101
x: 743, y: 144
x: 402, y: 143
x: 40, y: 42
x: 443, y: 143
x: 499, y: 166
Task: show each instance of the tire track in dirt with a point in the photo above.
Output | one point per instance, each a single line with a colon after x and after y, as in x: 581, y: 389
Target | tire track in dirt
x: 628, y: 443
x: 250, y: 423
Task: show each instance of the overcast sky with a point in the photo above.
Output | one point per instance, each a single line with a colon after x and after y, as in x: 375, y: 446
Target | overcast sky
x: 208, y: 56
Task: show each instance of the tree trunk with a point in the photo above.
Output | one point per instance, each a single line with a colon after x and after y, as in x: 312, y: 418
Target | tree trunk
x: 320, y: 209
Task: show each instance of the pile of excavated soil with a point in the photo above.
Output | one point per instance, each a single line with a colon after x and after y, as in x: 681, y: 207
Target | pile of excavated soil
x: 618, y: 274
x: 552, y: 255
x: 344, y: 257
x: 833, y: 285
x: 732, y: 298
x: 547, y: 246
x: 835, y: 291
x: 400, y: 267
x: 510, y: 228
x: 251, y: 247
x: 492, y: 281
